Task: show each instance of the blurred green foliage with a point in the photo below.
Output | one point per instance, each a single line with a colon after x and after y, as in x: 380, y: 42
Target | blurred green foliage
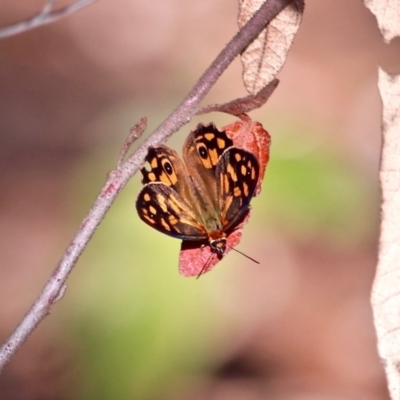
x: 312, y: 192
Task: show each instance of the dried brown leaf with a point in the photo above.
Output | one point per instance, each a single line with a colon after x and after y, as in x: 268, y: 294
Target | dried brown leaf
x: 386, y: 290
x: 243, y: 105
x: 265, y: 56
x: 387, y: 13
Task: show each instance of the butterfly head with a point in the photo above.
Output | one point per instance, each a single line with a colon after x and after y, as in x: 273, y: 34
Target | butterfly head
x: 218, y: 246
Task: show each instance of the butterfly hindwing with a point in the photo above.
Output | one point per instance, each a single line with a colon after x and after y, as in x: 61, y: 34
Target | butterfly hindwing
x: 161, y: 207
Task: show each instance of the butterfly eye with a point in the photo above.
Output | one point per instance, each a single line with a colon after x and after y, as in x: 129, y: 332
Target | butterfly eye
x: 167, y: 167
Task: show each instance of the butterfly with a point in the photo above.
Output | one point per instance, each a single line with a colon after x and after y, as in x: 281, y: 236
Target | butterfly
x: 204, y: 197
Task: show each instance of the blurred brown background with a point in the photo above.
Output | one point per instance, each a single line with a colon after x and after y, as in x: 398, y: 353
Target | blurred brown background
x: 298, y: 326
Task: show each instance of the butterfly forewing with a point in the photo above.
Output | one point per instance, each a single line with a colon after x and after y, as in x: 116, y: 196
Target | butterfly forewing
x: 204, y: 146
x: 166, y: 167
x: 236, y: 175
x: 201, y: 153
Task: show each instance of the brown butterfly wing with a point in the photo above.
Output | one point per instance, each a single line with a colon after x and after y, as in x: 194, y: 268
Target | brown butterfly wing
x: 251, y: 136
x: 161, y: 207
x: 237, y: 175
x: 167, y: 167
x: 201, y: 152
x: 164, y: 203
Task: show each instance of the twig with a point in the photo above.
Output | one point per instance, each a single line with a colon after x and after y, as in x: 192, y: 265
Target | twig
x: 118, y: 178
x: 46, y: 16
x: 134, y: 134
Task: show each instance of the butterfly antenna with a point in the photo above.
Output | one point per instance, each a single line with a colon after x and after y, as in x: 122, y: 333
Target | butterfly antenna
x: 204, y: 267
x: 245, y: 255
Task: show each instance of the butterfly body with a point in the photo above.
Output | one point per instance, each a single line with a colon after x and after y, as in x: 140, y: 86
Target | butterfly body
x: 202, y: 197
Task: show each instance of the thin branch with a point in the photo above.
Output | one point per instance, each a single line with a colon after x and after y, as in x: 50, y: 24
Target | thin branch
x: 118, y: 178
x: 46, y: 16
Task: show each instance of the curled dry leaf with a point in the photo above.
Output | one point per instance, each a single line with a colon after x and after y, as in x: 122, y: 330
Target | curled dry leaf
x: 243, y: 105
x: 265, y: 56
x: 387, y: 13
